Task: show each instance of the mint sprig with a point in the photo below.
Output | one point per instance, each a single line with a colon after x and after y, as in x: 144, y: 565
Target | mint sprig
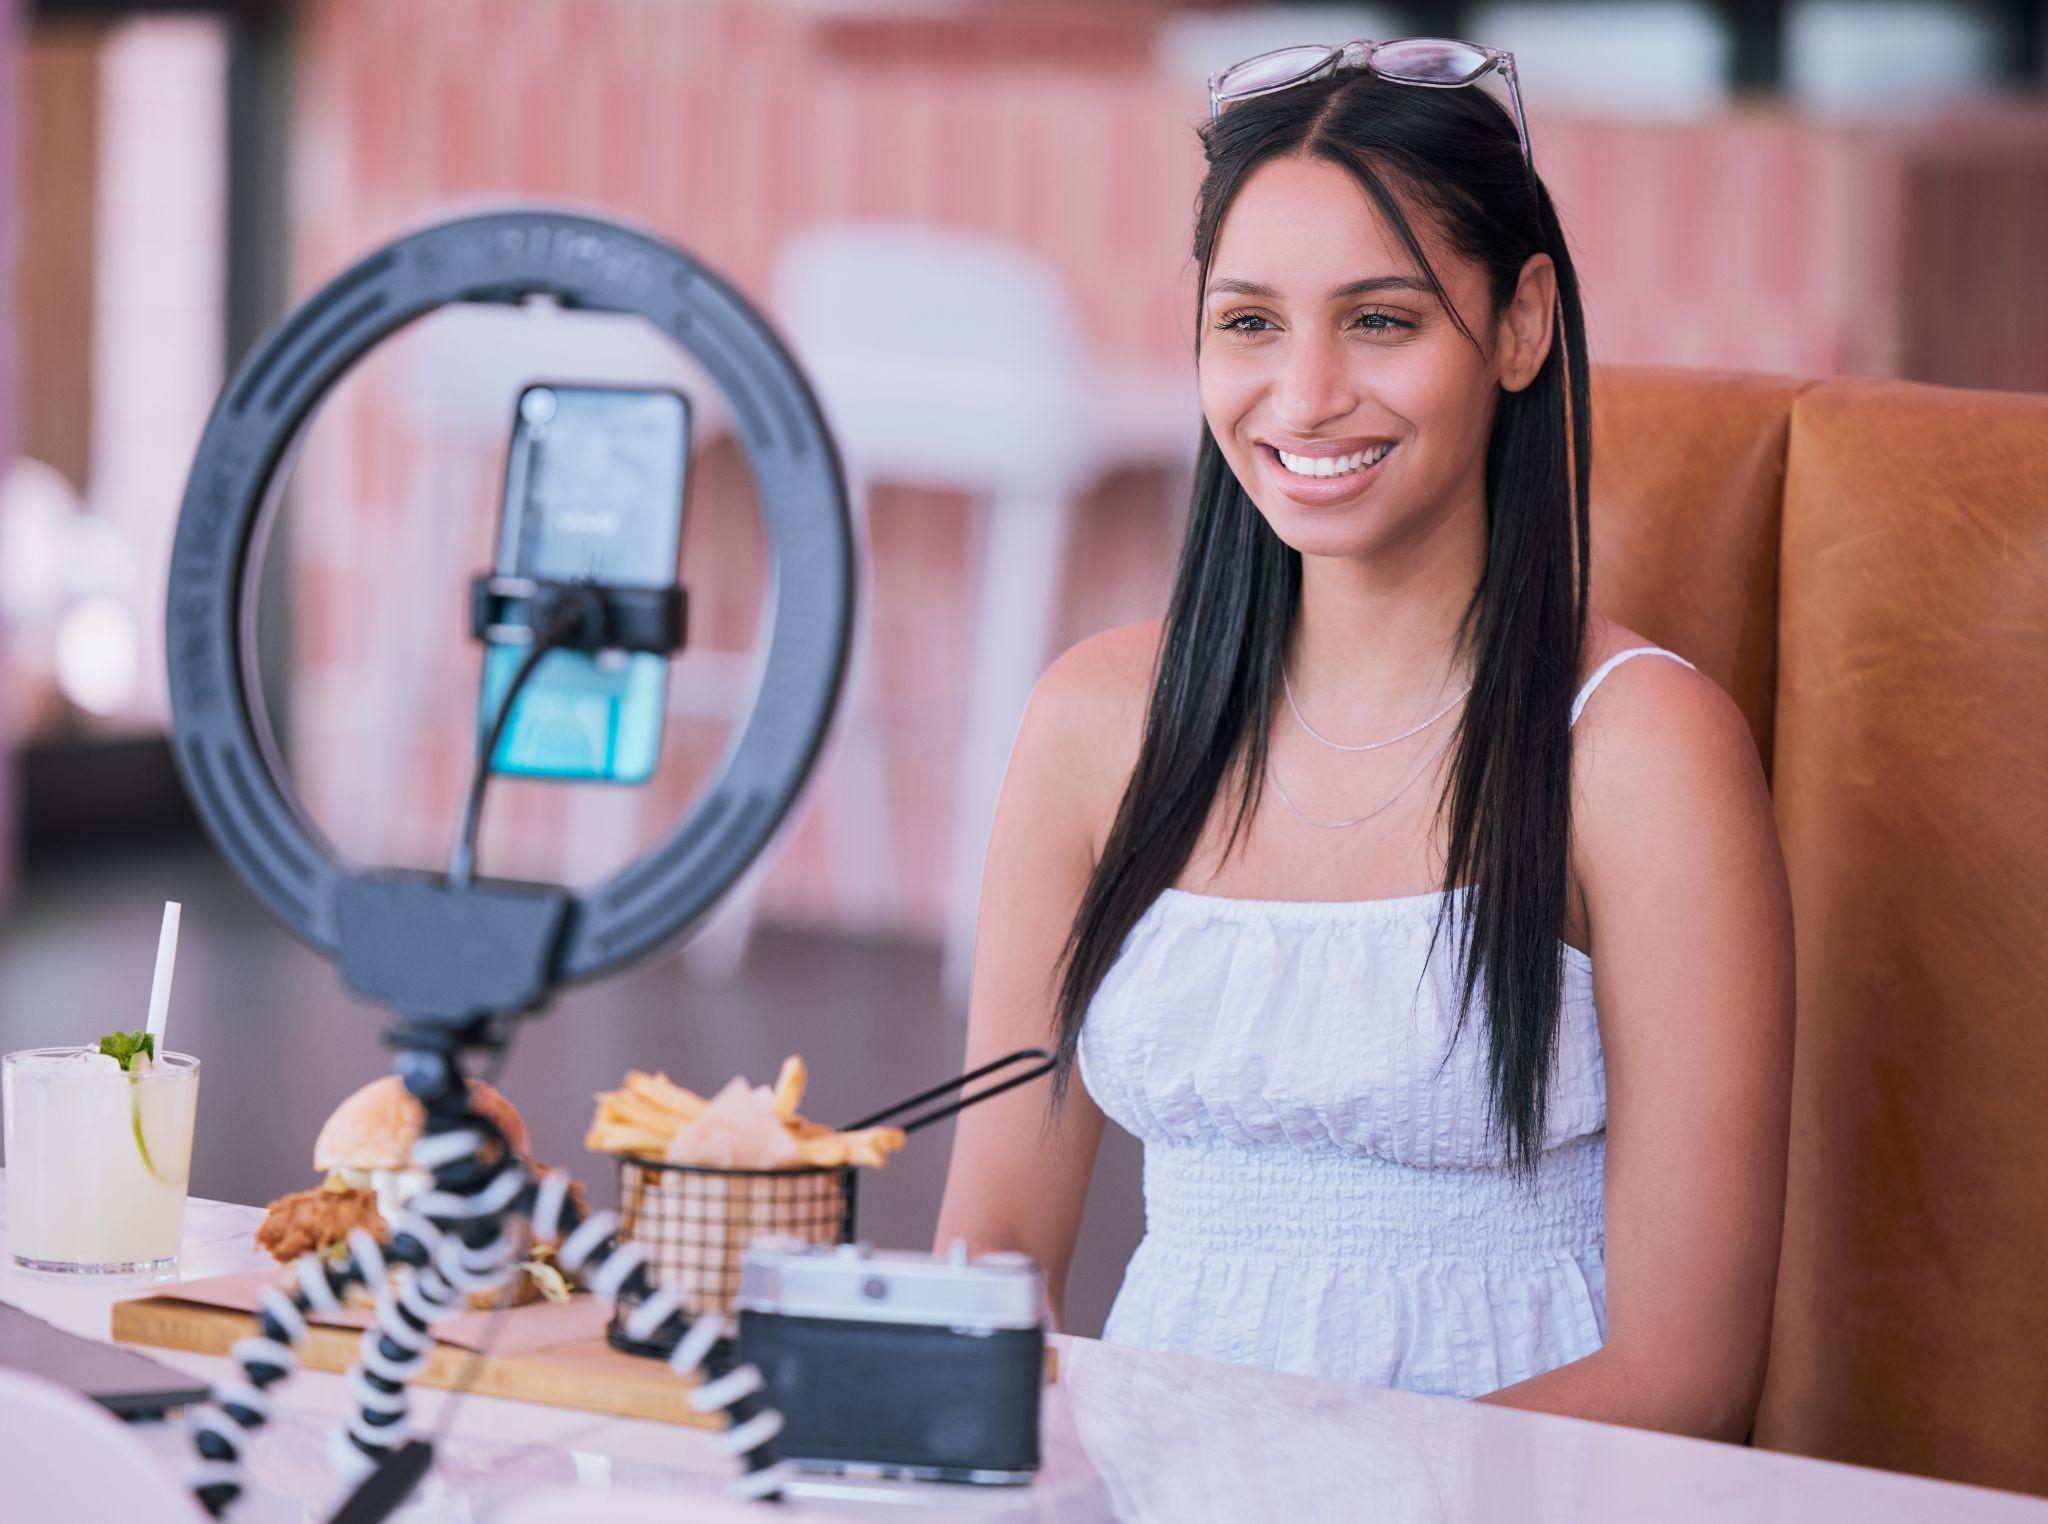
x: 123, y: 1046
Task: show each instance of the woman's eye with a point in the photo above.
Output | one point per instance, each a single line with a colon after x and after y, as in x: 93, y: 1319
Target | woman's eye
x: 1381, y: 322
x: 1242, y: 322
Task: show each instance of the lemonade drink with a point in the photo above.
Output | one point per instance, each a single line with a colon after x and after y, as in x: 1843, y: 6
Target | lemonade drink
x: 97, y: 1159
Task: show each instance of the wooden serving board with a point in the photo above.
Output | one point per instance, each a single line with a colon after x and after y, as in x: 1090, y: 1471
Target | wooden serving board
x: 588, y: 1375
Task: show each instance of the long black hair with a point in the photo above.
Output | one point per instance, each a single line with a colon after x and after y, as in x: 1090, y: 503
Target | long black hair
x: 1453, y: 155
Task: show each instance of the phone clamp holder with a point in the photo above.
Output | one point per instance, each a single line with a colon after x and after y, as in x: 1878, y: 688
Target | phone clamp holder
x: 507, y: 610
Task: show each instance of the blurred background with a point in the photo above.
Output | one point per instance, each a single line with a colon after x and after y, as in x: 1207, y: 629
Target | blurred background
x: 970, y: 219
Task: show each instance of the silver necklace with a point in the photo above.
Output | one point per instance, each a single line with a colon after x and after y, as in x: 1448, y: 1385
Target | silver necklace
x: 1288, y: 688
x: 1340, y: 825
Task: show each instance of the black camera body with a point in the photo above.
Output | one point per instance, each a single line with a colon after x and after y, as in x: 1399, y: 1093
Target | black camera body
x: 894, y: 1364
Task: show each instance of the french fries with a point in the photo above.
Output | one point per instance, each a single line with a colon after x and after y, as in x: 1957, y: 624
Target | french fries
x: 789, y: 1085
x: 659, y: 1090
x: 644, y: 1116
x: 870, y: 1148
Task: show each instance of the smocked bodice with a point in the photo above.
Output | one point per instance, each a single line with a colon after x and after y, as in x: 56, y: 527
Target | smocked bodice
x: 1322, y: 1191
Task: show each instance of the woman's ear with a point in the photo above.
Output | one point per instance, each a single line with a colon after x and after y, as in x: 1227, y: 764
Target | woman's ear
x: 1523, y: 340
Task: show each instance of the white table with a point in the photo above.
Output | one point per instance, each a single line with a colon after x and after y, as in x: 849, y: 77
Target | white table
x: 1128, y: 1435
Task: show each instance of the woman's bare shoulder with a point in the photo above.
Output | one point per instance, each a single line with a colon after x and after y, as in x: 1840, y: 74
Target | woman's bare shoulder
x: 1103, y: 681
x: 1658, y: 745
x: 1609, y: 637
x: 1643, y: 693
x: 1088, y: 710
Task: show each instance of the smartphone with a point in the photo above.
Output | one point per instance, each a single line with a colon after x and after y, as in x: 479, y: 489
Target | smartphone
x: 594, y: 484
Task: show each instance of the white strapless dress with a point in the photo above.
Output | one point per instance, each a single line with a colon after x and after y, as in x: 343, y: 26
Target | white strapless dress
x: 1322, y: 1194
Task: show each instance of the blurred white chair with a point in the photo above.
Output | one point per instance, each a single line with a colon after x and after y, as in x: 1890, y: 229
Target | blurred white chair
x: 1656, y: 59
x: 1881, y: 57
x: 63, y: 1457
x: 946, y: 359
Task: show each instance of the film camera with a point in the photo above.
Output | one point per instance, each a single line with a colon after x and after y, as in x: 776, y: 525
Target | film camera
x: 897, y: 1364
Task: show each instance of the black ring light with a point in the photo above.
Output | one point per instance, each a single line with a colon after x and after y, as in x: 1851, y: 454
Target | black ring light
x: 436, y: 952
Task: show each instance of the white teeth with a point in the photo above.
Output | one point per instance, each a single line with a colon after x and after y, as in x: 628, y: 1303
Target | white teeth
x: 1332, y: 465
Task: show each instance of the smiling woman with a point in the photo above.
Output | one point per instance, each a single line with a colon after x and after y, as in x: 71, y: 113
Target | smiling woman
x: 1375, y: 1073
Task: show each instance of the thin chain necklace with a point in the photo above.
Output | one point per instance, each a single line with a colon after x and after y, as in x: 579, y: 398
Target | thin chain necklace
x: 1341, y: 825
x: 1288, y: 688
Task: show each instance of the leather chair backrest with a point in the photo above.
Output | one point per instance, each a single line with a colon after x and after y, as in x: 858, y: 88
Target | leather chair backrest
x: 1863, y: 565
x: 1911, y: 785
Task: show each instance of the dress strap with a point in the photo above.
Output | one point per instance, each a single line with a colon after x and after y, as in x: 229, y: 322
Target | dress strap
x: 1607, y: 666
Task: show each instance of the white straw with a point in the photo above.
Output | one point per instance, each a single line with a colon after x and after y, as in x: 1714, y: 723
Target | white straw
x: 160, y: 987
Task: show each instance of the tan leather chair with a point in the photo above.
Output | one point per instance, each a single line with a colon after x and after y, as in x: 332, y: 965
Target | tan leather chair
x: 1864, y: 565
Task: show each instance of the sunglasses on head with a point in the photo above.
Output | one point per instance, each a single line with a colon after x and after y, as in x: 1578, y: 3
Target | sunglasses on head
x: 1435, y: 63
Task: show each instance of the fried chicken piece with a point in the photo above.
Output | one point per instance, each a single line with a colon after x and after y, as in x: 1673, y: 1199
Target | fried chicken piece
x: 306, y: 1221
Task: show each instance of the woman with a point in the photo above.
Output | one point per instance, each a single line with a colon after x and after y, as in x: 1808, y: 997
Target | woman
x: 1428, y: 928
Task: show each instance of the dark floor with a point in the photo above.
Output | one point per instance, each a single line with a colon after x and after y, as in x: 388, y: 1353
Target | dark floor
x: 282, y: 1041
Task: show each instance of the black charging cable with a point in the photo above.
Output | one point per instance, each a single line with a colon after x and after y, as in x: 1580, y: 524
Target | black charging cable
x: 561, y: 616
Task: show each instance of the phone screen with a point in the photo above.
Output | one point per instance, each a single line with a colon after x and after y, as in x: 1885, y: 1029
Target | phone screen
x: 594, y: 486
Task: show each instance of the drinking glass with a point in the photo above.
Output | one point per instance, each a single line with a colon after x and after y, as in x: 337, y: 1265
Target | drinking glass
x: 97, y: 1160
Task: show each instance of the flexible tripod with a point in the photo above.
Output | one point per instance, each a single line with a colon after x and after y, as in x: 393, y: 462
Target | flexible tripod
x: 463, y: 1235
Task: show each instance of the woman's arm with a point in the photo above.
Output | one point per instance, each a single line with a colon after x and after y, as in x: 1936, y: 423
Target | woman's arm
x: 1684, y: 888
x: 1018, y: 1177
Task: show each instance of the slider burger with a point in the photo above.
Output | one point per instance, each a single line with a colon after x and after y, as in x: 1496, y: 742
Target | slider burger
x: 365, y: 1147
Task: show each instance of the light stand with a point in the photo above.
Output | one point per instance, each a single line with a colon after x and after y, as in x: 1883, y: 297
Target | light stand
x: 454, y: 959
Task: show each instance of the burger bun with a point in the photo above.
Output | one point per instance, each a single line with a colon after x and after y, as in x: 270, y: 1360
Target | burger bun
x: 375, y: 1128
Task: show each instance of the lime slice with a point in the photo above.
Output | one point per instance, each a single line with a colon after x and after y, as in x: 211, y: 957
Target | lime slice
x: 135, y: 1120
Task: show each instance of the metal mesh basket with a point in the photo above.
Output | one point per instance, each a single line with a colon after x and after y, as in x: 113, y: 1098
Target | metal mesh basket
x: 696, y: 1221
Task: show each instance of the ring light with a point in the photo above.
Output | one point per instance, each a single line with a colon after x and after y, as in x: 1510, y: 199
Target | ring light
x: 435, y: 953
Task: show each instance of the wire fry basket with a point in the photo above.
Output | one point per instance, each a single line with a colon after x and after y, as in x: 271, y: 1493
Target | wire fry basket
x: 697, y: 1220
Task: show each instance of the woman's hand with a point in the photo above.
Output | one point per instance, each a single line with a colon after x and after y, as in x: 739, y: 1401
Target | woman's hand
x: 1685, y: 892
x: 1019, y: 1175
